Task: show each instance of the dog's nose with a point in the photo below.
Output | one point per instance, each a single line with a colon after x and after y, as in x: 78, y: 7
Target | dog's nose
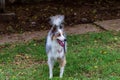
x: 65, y: 39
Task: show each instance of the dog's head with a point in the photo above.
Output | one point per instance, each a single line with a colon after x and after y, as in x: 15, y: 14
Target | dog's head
x: 57, y: 31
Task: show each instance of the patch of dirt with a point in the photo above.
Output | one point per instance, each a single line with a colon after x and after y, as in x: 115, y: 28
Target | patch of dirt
x: 25, y: 60
x: 35, y: 17
x: 37, y: 35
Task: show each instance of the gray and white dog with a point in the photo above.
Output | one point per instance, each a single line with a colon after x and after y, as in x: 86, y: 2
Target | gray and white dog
x: 56, y: 44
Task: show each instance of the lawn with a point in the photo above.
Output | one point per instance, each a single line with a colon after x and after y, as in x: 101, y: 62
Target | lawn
x: 91, y: 56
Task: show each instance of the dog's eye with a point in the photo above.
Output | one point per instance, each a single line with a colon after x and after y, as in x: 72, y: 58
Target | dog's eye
x: 58, y: 34
x: 61, y: 27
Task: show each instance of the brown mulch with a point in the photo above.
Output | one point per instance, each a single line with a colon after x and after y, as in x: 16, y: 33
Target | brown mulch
x: 35, y: 17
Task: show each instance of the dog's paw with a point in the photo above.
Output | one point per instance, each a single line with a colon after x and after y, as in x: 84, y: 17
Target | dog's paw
x: 50, y: 77
x: 61, y: 76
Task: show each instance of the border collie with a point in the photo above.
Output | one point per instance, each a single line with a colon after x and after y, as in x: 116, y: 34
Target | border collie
x: 56, y: 44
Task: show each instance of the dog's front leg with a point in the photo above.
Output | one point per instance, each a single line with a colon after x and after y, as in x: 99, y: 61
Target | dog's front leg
x: 61, y: 71
x: 62, y: 66
x: 50, y: 64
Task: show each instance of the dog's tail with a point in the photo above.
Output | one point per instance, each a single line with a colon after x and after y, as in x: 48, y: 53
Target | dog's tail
x: 56, y: 20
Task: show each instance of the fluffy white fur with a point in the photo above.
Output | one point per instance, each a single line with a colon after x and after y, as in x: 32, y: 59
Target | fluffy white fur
x: 54, y: 50
x: 57, y: 20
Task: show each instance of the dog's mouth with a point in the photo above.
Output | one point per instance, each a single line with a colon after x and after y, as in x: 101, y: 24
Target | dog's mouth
x: 61, y: 42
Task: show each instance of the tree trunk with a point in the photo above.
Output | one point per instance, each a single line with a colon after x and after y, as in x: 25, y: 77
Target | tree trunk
x: 2, y: 6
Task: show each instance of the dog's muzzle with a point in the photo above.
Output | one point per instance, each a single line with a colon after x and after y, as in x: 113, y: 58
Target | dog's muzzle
x: 62, y: 43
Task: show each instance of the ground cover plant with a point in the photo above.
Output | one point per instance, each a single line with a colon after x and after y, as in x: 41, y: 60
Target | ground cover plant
x: 90, y: 56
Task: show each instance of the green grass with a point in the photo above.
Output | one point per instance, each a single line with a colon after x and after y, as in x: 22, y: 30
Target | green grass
x: 90, y: 56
